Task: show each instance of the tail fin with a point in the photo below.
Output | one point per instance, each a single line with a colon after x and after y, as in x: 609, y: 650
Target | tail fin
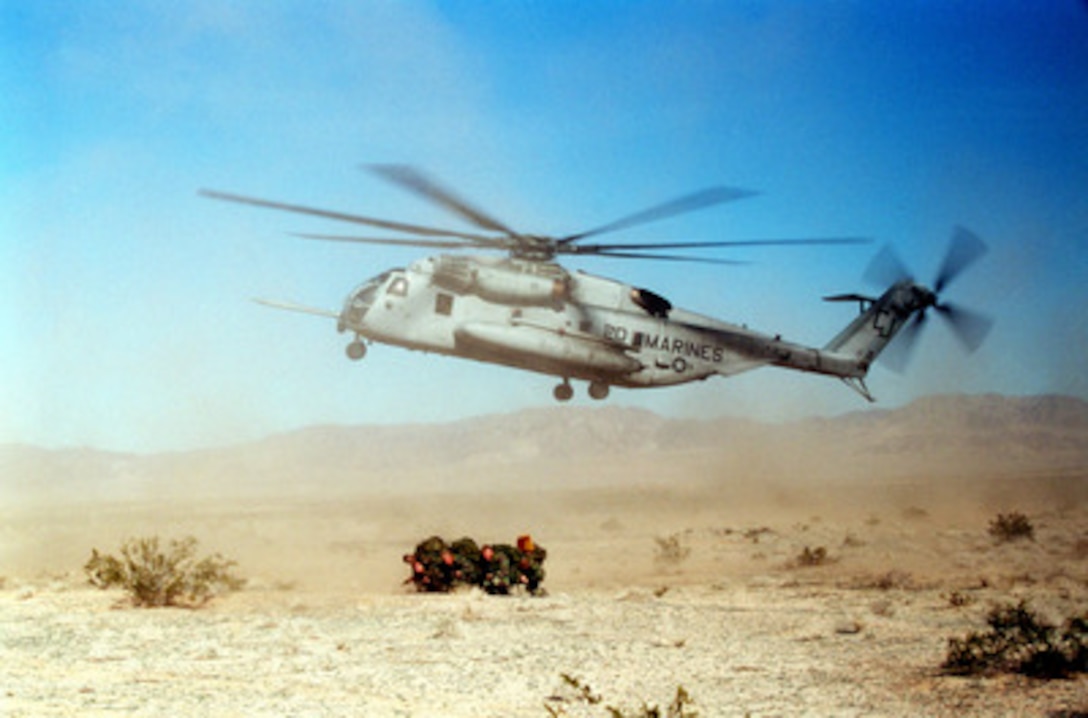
x: 880, y: 320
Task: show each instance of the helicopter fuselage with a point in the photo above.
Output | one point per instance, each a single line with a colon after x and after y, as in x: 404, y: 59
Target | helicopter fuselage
x: 537, y: 316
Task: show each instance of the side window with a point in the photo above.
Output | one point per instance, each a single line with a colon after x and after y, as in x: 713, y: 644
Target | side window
x: 443, y: 304
x: 398, y: 287
x: 654, y: 304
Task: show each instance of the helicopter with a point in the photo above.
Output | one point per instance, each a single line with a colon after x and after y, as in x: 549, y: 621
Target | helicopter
x: 522, y: 309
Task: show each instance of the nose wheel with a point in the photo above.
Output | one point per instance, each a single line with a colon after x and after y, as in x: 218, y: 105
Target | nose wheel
x: 356, y: 350
x: 598, y: 390
x: 563, y: 392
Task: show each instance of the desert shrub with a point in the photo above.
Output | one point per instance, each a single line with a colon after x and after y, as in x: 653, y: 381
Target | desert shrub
x: 754, y: 534
x: 915, y: 513
x: 671, y: 549
x: 678, y: 707
x: 894, y: 579
x: 1019, y: 641
x: 812, y: 557
x: 1011, y: 527
x: 155, y: 577
x: 959, y: 599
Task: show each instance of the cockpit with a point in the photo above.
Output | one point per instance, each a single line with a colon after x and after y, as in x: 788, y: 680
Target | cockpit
x: 362, y: 298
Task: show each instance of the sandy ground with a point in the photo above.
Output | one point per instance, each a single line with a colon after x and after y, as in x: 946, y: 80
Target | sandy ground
x: 325, y: 627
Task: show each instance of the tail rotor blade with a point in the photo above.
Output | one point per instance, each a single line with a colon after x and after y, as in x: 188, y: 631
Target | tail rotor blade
x: 968, y: 326
x: 964, y: 249
x: 886, y: 269
x: 897, y: 355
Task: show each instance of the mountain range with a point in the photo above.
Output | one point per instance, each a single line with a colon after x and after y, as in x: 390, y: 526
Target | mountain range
x: 935, y: 437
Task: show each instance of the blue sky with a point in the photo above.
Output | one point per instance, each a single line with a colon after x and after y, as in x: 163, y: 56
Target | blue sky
x: 126, y: 322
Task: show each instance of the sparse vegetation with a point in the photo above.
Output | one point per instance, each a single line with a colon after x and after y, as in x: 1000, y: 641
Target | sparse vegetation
x: 1012, y: 526
x: 896, y: 579
x: 959, y: 599
x: 156, y: 577
x: 671, y: 549
x: 1019, y: 641
x: 810, y: 557
x: 915, y: 513
x: 852, y: 541
x: 754, y: 534
x: 679, y: 707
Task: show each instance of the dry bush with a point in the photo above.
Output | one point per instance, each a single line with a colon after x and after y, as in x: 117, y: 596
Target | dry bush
x: 959, y: 599
x: 1011, y: 527
x: 156, y: 577
x: 1019, y: 641
x: 679, y: 707
x: 671, y: 549
x: 810, y: 557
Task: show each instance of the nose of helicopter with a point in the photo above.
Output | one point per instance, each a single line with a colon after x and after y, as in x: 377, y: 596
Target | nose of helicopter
x: 357, y: 304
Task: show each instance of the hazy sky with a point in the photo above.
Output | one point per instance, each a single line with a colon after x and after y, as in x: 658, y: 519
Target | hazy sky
x: 126, y: 320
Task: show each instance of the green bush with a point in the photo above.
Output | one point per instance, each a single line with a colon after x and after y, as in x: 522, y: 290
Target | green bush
x: 1019, y: 641
x: 156, y: 577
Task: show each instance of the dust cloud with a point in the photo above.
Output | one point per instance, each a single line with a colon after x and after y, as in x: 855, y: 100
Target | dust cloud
x: 899, y: 503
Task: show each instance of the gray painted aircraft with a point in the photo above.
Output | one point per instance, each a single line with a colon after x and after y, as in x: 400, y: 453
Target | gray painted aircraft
x: 524, y: 310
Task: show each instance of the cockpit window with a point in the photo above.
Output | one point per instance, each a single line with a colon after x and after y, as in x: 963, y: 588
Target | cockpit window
x: 398, y: 287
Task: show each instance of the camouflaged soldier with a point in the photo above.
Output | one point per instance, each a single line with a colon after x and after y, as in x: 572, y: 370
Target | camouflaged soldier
x: 433, y: 569
x: 466, y: 558
x: 496, y: 569
x: 419, y: 573
x: 530, y: 566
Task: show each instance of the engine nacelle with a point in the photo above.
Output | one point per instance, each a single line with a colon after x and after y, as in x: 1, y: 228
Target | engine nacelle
x: 504, y: 282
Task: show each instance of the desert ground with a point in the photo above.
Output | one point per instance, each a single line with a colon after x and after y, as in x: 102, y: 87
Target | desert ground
x: 325, y: 626
x: 667, y: 573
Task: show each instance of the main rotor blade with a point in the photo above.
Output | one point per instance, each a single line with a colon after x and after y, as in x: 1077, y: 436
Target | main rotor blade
x: 401, y: 242
x: 414, y: 181
x: 662, y: 257
x: 964, y: 249
x: 969, y: 327
x: 688, y: 203
x: 340, y: 216
x: 897, y: 355
x: 886, y: 269
x: 584, y: 248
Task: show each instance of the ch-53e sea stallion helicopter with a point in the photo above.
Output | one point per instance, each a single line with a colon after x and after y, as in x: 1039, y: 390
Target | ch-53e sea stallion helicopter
x: 524, y: 310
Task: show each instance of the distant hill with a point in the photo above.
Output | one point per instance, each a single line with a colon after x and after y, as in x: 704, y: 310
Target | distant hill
x: 567, y: 447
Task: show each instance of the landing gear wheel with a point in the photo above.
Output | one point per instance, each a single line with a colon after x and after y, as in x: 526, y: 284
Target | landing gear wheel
x: 356, y: 350
x: 563, y: 392
x: 598, y: 390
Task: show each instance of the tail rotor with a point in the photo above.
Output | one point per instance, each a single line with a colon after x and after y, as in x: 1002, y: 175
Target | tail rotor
x: 969, y: 327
